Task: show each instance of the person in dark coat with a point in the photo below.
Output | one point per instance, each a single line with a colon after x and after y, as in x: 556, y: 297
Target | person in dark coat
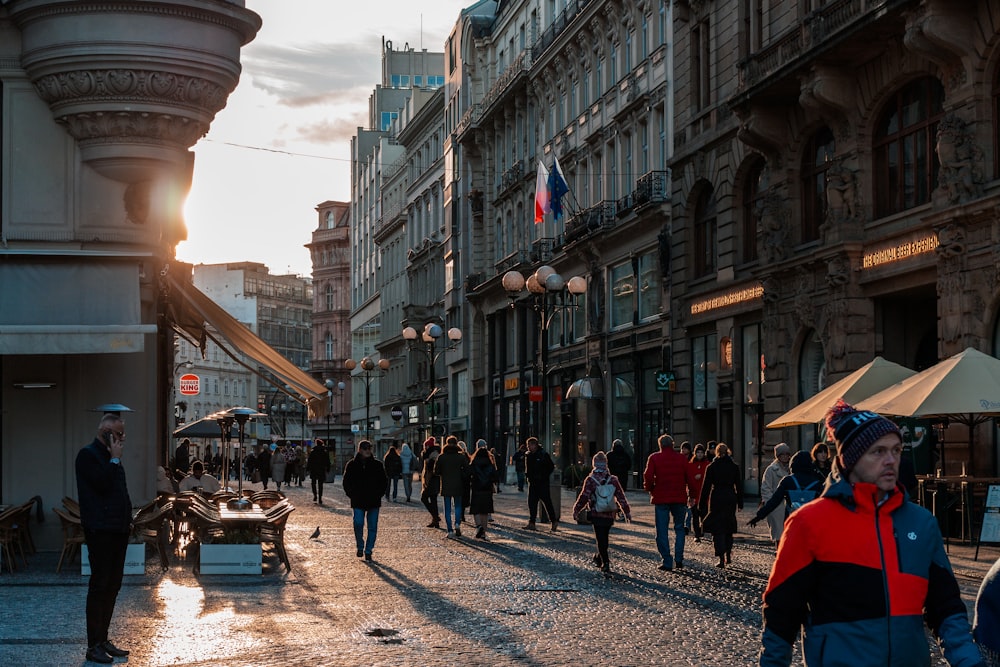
x: 394, y: 471
x: 453, y: 469
x: 483, y: 479
x: 619, y: 462
x: 364, y: 484
x: 106, y: 515
x: 721, y: 497
x: 517, y: 460
x: 538, y: 469
x: 319, y: 466
x: 264, y: 465
x: 430, y: 482
x: 182, y: 459
x: 803, y: 477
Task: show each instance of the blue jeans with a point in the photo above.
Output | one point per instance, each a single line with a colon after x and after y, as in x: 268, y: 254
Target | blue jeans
x: 663, y: 514
x: 408, y: 485
x: 448, y: 500
x: 360, y: 518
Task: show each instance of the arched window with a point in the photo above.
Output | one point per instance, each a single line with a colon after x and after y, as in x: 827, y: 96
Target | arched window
x: 815, y: 162
x: 754, y: 188
x: 906, y: 166
x: 704, y: 233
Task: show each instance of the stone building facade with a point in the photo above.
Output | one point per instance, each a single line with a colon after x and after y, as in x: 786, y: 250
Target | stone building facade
x: 835, y: 198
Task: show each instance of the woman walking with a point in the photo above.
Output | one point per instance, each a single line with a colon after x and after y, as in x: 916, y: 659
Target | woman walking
x: 279, y: 466
x: 483, y: 481
x: 407, y: 460
x: 601, y: 517
x: 721, y: 496
x: 394, y: 471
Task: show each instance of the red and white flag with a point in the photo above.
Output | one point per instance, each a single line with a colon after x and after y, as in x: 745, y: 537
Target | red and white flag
x: 542, y: 201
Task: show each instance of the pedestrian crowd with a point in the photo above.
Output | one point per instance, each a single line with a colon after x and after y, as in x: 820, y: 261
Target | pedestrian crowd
x: 859, y: 572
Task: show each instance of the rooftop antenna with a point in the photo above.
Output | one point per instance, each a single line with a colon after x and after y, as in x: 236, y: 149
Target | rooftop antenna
x: 421, y: 32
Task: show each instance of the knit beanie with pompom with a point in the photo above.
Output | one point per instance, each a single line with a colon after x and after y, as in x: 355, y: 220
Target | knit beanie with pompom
x: 853, y: 431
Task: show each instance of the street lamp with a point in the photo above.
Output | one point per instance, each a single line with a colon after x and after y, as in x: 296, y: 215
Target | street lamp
x: 429, y: 337
x: 367, y: 366
x: 330, y: 386
x: 549, y: 293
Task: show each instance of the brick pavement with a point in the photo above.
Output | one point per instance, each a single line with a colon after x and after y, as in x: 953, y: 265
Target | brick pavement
x: 520, y: 598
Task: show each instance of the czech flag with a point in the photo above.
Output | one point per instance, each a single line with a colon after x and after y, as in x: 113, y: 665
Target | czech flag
x: 542, y: 204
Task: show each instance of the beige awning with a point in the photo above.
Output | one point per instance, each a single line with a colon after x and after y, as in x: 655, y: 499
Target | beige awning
x: 193, y: 310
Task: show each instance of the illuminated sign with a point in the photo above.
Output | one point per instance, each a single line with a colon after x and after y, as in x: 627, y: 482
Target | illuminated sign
x: 190, y: 384
x: 886, y: 254
x: 730, y: 298
x: 510, y: 384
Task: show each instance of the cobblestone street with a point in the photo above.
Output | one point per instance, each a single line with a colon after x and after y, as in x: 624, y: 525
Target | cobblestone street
x: 520, y: 598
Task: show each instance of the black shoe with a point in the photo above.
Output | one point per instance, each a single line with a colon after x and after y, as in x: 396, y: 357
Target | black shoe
x: 665, y: 567
x: 360, y: 553
x: 113, y: 650
x: 98, y: 654
x: 480, y: 532
x: 458, y: 531
x: 320, y: 501
x: 678, y: 564
x: 368, y: 557
x: 687, y: 530
x: 721, y: 563
x: 597, y: 560
x: 606, y: 569
x: 729, y: 558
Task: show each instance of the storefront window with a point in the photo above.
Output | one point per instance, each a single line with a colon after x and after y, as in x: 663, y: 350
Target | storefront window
x: 812, y: 368
x: 705, y: 364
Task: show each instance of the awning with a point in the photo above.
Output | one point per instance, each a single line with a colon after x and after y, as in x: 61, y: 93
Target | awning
x: 193, y: 310
x: 70, y: 307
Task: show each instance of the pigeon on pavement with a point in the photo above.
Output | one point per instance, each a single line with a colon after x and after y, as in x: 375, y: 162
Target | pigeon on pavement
x: 315, y: 534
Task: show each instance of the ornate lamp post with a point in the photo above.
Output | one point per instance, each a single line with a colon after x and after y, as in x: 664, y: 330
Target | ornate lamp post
x: 330, y: 386
x: 427, y: 345
x: 367, y: 366
x: 548, y: 293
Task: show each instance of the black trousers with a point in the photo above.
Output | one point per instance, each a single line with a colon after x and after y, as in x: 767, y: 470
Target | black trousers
x: 602, y: 528
x: 430, y: 500
x: 107, y: 567
x: 540, y: 492
x: 316, y: 481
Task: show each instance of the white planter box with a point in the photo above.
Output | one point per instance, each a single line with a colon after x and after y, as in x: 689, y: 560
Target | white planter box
x: 230, y: 559
x: 135, y: 560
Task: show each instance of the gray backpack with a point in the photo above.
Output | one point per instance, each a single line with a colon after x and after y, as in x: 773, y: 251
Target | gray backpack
x: 604, y: 497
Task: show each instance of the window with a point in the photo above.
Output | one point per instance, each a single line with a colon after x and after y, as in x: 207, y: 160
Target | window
x: 613, y: 62
x: 753, y: 25
x: 329, y: 298
x: 704, y: 234
x: 649, y: 286
x: 328, y: 347
x: 622, y: 295
x: 906, y: 166
x: 704, y: 366
x: 701, y: 59
x: 754, y: 190
x: 815, y: 163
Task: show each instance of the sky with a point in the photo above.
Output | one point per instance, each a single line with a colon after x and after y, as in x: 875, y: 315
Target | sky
x: 282, y: 144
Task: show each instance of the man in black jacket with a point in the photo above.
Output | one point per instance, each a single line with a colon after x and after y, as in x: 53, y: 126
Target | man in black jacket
x: 106, y: 515
x: 538, y: 467
x: 364, y: 484
x: 319, y: 465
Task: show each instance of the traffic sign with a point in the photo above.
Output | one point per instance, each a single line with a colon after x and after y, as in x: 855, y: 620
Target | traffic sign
x: 664, y: 381
x: 190, y: 384
x: 535, y: 394
x: 396, y: 413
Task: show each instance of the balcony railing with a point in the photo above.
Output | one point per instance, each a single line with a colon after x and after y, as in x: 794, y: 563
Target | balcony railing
x: 513, y: 175
x: 469, y: 119
x: 511, y: 261
x: 598, y: 217
x: 556, y: 28
x: 816, y: 28
x: 521, y: 64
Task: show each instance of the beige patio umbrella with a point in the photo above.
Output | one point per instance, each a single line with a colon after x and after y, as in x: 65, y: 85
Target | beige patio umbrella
x: 963, y: 388
x: 873, y: 377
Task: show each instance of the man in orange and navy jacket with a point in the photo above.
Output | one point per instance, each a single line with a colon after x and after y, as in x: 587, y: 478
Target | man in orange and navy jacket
x: 862, y: 568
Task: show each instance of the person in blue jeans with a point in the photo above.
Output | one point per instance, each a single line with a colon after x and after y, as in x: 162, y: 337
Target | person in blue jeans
x: 364, y: 484
x: 667, y: 479
x: 453, y: 468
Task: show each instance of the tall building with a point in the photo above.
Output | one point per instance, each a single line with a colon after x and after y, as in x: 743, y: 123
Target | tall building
x: 330, y: 249
x: 374, y: 150
x: 101, y: 104
x: 835, y: 179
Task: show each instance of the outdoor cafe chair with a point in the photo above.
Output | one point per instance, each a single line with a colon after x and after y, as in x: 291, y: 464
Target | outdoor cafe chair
x: 72, y: 536
x: 24, y: 526
x: 10, y: 539
x: 153, y: 528
x: 272, y: 531
x: 71, y: 506
x: 267, y: 499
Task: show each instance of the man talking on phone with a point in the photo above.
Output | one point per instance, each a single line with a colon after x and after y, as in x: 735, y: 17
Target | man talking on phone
x: 106, y: 515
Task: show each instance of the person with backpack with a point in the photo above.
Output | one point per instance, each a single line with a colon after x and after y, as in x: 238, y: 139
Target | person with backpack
x: 795, y: 490
x: 604, y: 495
x: 483, y: 481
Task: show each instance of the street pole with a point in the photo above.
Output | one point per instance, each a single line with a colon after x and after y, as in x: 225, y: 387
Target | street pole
x: 430, y: 335
x: 367, y: 366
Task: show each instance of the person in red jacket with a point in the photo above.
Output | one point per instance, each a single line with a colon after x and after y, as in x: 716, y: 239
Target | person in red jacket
x: 667, y: 478
x: 697, y: 466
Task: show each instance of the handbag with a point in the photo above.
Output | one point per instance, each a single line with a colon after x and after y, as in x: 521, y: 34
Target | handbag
x: 583, y: 518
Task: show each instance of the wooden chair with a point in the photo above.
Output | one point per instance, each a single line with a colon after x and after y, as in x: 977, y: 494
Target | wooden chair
x: 71, y: 506
x: 72, y: 536
x: 267, y: 499
x: 153, y: 528
x: 24, y: 527
x: 273, y: 532
x: 10, y: 539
